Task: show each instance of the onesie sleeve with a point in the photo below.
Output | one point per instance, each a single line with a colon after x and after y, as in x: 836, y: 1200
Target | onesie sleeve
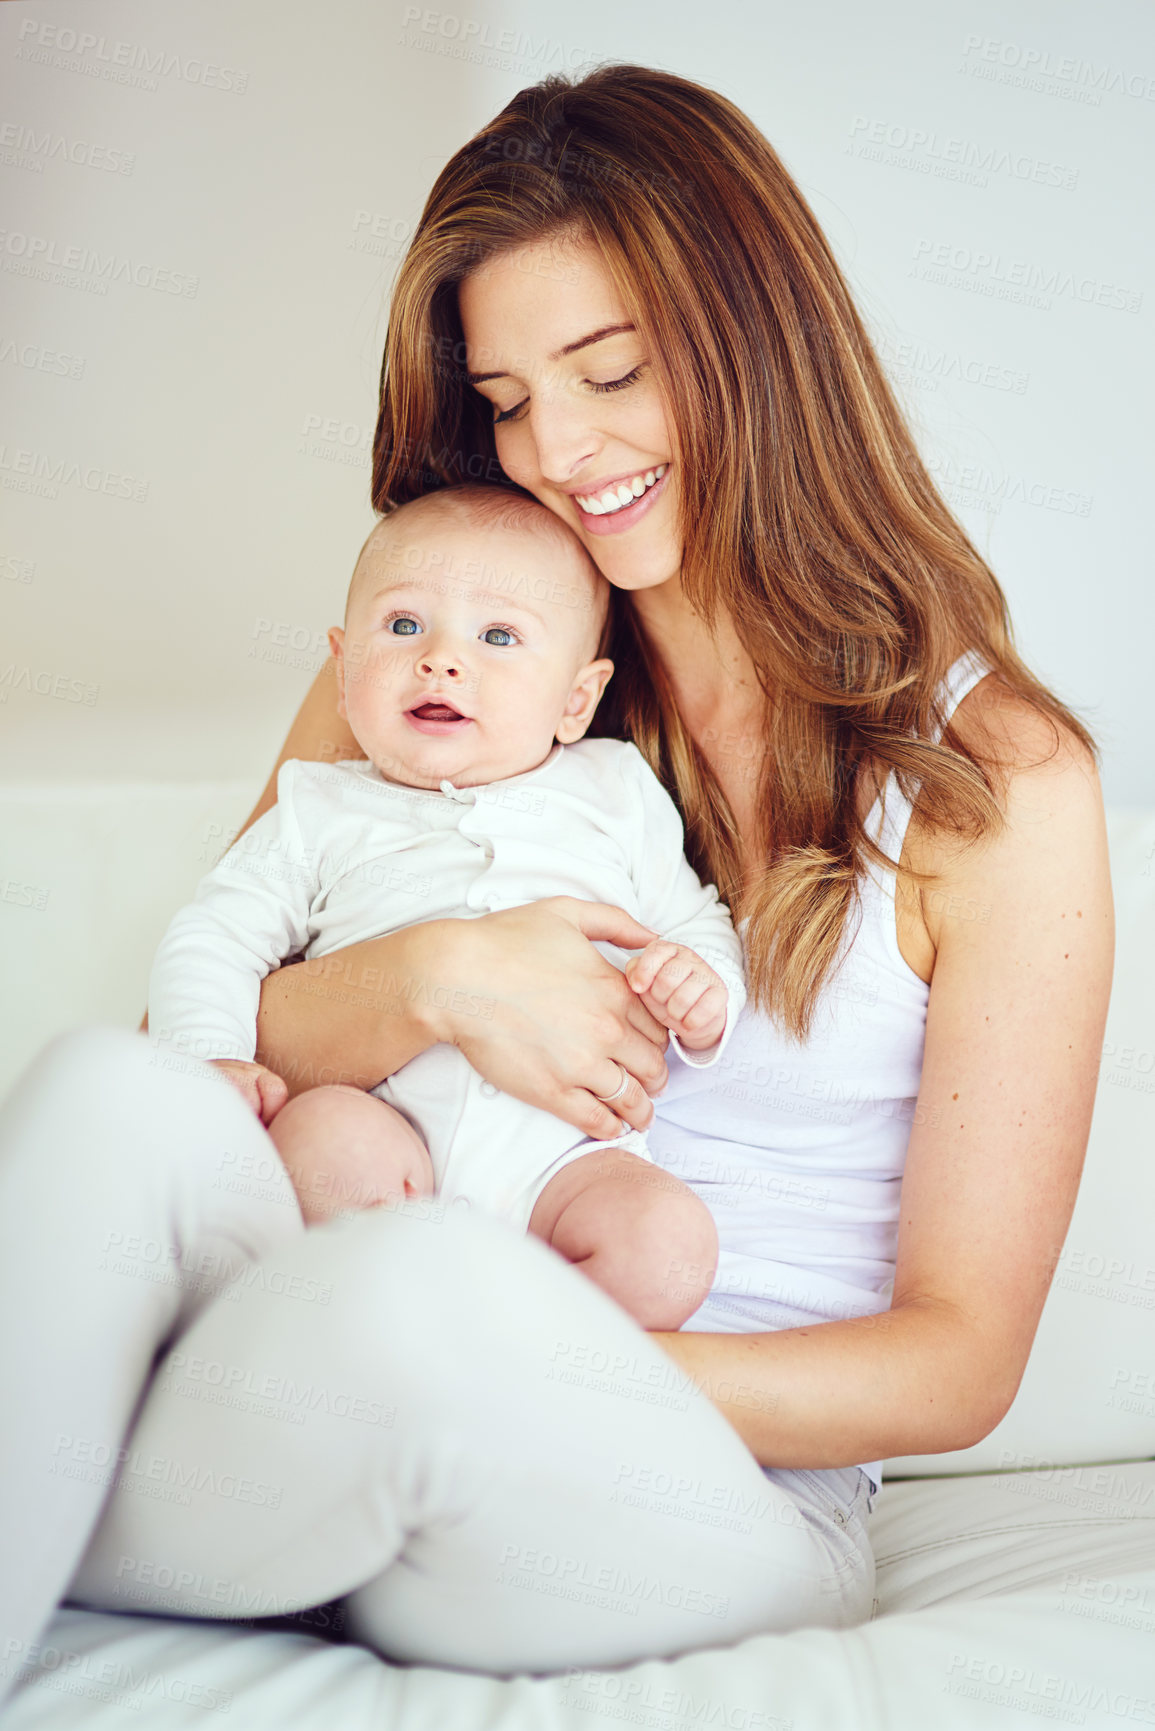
x: 673, y: 900
x: 248, y: 913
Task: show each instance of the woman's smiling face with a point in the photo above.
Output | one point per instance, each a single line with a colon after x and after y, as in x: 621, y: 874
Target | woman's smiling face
x: 578, y: 417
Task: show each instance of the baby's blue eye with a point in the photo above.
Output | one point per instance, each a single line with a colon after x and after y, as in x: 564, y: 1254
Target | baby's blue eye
x: 404, y: 627
x: 498, y: 636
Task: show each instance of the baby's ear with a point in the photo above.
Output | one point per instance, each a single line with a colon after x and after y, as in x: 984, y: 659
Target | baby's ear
x: 337, y: 649
x: 584, y: 697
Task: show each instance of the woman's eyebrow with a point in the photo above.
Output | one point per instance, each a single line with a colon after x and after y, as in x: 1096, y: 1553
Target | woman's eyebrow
x: 559, y: 354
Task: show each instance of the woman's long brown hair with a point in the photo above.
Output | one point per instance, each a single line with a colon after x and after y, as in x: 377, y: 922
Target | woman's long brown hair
x: 807, y: 513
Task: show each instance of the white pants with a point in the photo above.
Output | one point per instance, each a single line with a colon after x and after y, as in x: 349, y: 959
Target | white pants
x: 212, y: 1412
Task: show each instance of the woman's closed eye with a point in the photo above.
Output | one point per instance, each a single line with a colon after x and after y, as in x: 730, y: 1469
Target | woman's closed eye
x: 629, y: 378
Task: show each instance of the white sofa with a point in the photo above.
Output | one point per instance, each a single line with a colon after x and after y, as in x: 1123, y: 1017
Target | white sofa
x: 1014, y: 1578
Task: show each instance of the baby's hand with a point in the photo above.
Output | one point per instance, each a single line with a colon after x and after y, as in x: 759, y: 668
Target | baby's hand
x: 681, y: 991
x: 265, y: 1091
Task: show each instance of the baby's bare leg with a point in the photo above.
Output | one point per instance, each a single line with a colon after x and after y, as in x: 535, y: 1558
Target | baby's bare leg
x: 638, y: 1232
x: 346, y: 1150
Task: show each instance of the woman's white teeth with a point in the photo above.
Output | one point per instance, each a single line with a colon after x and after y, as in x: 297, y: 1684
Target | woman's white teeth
x: 623, y: 494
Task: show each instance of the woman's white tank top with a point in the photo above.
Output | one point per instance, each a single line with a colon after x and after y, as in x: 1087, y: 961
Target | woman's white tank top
x: 799, y: 1150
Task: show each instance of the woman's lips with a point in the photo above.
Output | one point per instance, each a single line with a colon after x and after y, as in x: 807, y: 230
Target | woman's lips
x: 615, y: 522
x: 436, y: 718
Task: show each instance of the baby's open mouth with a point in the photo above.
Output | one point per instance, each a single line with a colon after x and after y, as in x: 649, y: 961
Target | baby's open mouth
x: 436, y: 717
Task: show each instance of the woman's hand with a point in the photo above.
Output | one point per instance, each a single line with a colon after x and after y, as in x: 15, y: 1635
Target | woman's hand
x: 541, y: 1014
x: 523, y: 994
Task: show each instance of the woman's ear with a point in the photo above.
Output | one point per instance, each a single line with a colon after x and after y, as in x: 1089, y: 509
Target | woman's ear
x: 337, y: 648
x: 583, y: 699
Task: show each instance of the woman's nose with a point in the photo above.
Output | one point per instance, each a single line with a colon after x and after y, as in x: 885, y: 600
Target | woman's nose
x: 564, y: 435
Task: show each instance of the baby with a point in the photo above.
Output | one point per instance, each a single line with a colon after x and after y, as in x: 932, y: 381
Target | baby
x: 468, y: 671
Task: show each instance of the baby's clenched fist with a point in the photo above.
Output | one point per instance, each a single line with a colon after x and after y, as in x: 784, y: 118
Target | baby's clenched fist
x: 681, y: 991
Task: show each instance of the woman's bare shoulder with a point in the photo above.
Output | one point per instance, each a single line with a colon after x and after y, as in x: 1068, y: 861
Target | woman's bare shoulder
x: 996, y: 721
x: 1037, y: 762
x: 1047, y: 787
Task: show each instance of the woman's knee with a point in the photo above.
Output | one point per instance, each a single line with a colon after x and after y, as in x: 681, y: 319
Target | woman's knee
x: 80, y: 1083
x: 107, y: 1094
x: 99, y: 1064
x: 90, y: 1057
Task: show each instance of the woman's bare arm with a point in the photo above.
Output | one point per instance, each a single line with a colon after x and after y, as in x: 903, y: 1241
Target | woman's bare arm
x: 1014, y: 1035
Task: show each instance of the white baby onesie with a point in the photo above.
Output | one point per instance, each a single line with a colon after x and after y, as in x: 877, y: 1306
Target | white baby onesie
x: 346, y: 855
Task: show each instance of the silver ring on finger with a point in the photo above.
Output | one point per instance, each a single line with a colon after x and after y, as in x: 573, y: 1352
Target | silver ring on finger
x: 608, y: 1099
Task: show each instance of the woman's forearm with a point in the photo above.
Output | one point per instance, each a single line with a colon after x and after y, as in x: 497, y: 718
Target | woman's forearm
x: 354, y: 1016
x: 909, y: 1381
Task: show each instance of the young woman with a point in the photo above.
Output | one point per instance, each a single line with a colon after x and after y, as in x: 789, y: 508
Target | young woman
x: 618, y: 302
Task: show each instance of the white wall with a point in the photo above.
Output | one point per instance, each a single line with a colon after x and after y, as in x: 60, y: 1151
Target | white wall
x: 253, y: 168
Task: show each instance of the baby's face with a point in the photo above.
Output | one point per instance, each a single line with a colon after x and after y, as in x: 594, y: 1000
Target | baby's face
x: 466, y: 650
